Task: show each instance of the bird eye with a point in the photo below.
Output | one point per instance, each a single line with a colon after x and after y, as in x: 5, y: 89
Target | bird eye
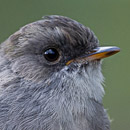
x: 51, y: 54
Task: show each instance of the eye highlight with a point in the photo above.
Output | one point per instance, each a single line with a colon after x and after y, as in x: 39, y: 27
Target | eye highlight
x: 51, y: 54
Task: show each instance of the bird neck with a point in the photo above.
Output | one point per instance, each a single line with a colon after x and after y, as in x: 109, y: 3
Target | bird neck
x: 78, y: 100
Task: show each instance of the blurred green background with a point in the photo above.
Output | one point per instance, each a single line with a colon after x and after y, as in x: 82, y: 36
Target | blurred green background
x: 109, y: 19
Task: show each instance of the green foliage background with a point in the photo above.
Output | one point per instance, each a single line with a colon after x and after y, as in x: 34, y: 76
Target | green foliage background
x: 109, y: 19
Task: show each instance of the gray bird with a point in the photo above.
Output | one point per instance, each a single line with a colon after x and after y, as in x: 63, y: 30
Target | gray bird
x: 50, y: 77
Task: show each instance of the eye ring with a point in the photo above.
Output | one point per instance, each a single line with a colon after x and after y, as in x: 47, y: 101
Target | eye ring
x: 52, y: 55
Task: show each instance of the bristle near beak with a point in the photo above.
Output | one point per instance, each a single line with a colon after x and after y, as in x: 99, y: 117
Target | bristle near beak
x: 97, y: 53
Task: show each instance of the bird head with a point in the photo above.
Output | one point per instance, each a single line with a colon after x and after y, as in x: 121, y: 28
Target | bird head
x: 54, y: 76
x: 60, y: 53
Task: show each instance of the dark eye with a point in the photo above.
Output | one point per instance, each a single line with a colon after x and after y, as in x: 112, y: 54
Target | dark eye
x: 51, y: 54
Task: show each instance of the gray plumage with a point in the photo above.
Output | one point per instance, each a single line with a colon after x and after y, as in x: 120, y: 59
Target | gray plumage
x: 38, y: 95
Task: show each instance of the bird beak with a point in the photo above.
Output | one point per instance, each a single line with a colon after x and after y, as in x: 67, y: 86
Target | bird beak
x: 96, y: 54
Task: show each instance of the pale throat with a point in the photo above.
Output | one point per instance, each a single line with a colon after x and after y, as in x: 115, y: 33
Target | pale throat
x: 80, y: 88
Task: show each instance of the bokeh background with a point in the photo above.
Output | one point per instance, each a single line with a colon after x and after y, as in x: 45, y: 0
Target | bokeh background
x: 109, y: 19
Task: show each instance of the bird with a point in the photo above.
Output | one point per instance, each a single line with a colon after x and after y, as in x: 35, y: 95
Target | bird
x: 51, y: 77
